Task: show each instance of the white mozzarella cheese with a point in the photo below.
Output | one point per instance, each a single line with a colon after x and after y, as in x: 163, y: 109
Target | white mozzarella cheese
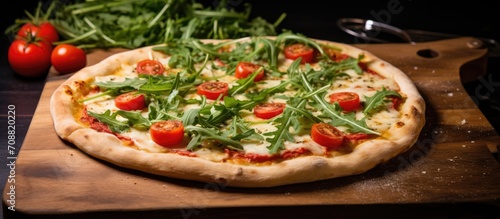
x: 364, y: 85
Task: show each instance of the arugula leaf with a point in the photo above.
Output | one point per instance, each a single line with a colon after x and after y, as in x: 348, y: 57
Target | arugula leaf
x: 373, y: 103
x: 282, y: 134
x: 135, y: 119
x: 191, y: 115
x: 349, y: 120
x: 238, y: 130
x: 164, y: 84
x: 200, y: 134
x: 109, y: 119
x: 332, y: 110
x: 291, y: 118
x: 244, y: 83
x: 305, y: 113
x: 165, y: 106
x: 263, y: 94
x: 129, y: 83
x: 113, y: 88
x: 92, y: 24
x: 220, y: 113
x: 272, y: 51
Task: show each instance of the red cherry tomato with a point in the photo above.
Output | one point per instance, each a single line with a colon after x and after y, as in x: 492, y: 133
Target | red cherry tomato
x: 30, y: 57
x: 327, y: 135
x: 244, y: 69
x: 349, y: 101
x: 150, y: 67
x: 167, y: 133
x: 130, y: 101
x: 44, y: 30
x: 67, y: 58
x: 298, y: 50
x: 268, y: 110
x: 213, y: 89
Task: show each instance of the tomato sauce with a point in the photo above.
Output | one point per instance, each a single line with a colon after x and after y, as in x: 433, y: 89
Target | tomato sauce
x: 289, y: 154
x: 261, y: 158
x: 93, y: 123
x: 248, y: 157
x: 183, y: 152
x: 357, y: 138
x: 365, y: 68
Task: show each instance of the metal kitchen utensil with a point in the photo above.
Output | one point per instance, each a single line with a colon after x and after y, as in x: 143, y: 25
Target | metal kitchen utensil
x: 378, y: 32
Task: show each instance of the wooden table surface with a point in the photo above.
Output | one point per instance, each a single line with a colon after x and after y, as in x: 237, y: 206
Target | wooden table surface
x: 452, y: 170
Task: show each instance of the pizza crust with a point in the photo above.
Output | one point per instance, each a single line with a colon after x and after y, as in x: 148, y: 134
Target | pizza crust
x: 364, y: 157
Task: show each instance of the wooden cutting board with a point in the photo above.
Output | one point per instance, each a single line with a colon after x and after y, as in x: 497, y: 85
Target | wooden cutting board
x: 453, y: 162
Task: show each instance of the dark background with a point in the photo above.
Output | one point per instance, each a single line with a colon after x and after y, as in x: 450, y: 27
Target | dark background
x: 317, y: 18
x: 313, y: 18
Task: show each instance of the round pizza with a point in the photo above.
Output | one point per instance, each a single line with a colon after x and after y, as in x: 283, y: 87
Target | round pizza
x: 250, y: 112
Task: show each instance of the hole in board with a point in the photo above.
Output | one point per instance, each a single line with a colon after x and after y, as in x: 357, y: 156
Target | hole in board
x: 427, y: 53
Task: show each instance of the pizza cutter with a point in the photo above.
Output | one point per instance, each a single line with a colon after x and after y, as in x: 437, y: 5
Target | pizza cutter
x: 378, y: 32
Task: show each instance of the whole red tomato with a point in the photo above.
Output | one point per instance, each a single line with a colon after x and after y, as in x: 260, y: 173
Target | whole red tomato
x: 43, y: 30
x: 67, y: 58
x: 30, y: 57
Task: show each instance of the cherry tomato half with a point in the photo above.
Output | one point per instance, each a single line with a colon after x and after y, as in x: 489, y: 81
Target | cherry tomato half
x: 327, y: 135
x: 167, y: 133
x: 150, y: 67
x: 298, y: 50
x: 245, y: 69
x: 130, y: 101
x: 349, y: 101
x: 30, y: 57
x: 67, y: 58
x: 213, y: 89
x: 45, y: 30
x: 268, y: 110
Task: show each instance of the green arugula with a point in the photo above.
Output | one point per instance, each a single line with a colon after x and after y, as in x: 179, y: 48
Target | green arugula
x: 330, y: 110
x: 139, y: 23
x: 200, y: 134
x: 221, y: 121
x: 135, y: 119
x: 109, y: 119
x: 373, y: 104
x: 113, y: 88
x: 239, y: 130
x: 289, y: 118
x: 244, y: 83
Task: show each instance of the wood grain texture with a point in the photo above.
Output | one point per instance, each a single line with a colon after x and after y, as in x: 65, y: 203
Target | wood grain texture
x: 452, y: 163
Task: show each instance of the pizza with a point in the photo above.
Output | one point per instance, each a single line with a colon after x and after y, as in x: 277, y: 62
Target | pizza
x: 249, y: 112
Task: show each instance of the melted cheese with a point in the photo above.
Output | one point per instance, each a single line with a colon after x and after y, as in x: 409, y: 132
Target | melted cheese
x: 363, y: 84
